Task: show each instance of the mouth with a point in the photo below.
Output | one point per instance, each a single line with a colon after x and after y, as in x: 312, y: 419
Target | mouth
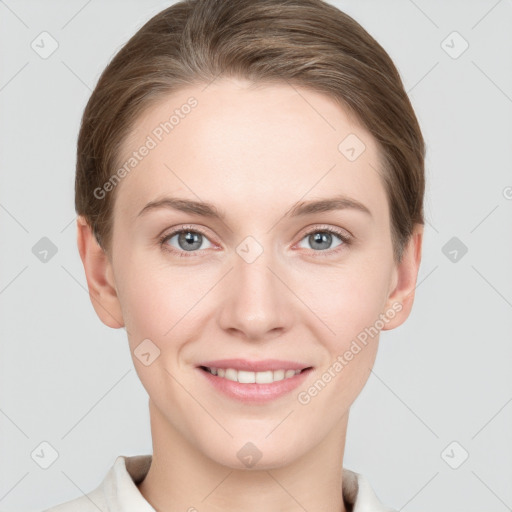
x: 254, y: 382
x: 251, y: 377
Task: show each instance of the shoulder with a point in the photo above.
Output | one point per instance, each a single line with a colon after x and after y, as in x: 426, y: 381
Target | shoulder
x: 90, y: 502
x: 117, y: 491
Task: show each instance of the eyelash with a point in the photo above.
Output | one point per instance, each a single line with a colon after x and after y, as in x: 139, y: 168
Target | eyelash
x: 347, y: 240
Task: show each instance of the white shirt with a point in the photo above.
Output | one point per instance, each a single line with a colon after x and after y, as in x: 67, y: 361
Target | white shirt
x: 119, y: 493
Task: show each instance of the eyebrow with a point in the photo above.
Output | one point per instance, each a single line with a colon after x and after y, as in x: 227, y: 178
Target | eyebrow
x: 302, y: 208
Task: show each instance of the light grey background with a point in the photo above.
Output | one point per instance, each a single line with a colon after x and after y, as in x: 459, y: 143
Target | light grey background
x: 443, y: 376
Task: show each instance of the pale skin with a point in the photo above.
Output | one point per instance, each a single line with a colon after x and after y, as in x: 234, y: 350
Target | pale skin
x: 253, y: 153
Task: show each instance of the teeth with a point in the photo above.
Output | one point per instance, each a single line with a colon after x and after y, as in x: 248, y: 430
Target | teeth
x: 245, y: 377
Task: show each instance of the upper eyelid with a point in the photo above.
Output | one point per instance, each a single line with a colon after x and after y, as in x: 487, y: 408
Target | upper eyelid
x: 181, y: 229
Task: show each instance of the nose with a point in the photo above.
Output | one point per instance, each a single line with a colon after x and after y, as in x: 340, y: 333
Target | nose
x: 255, y: 304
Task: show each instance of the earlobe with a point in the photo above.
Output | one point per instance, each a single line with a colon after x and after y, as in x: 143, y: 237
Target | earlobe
x: 401, y: 297
x: 99, y: 275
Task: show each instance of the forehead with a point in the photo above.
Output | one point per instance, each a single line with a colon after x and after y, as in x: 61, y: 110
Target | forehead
x: 231, y: 140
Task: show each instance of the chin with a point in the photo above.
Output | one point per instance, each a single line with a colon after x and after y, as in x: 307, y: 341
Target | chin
x: 254, y: 455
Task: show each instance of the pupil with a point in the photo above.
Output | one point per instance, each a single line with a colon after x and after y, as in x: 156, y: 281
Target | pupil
x: 189, y: 240
x: 318, y: 238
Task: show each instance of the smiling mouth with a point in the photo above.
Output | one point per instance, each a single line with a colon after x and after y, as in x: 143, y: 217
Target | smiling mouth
x: 248, y: 377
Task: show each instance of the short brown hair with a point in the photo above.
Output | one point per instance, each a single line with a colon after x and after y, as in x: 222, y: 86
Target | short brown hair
x: 308, y: 43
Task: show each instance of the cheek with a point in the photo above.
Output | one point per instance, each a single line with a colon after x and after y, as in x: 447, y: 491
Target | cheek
x: 160, y: 300
x: 140, y: 294
x: 347, y: 300
x: 348, y: 305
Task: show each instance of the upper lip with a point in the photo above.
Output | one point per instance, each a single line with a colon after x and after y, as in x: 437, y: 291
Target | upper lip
x: 255, y: 366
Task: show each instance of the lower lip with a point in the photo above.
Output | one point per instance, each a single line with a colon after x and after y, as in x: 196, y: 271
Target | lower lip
x: 255, y: 393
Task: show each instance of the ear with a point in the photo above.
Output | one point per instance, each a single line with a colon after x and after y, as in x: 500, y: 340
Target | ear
x: 401, y: 296
x: 100, y: 277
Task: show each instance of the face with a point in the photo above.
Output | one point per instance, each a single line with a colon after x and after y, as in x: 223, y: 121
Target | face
x: 257, y: 275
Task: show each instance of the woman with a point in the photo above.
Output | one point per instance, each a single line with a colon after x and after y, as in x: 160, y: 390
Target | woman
x: 250, y: 183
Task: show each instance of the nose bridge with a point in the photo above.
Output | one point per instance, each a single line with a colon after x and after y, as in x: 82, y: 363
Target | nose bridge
x: 254, y: 303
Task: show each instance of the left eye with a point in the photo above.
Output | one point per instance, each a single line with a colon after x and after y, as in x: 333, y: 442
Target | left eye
x: 319, y: 239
